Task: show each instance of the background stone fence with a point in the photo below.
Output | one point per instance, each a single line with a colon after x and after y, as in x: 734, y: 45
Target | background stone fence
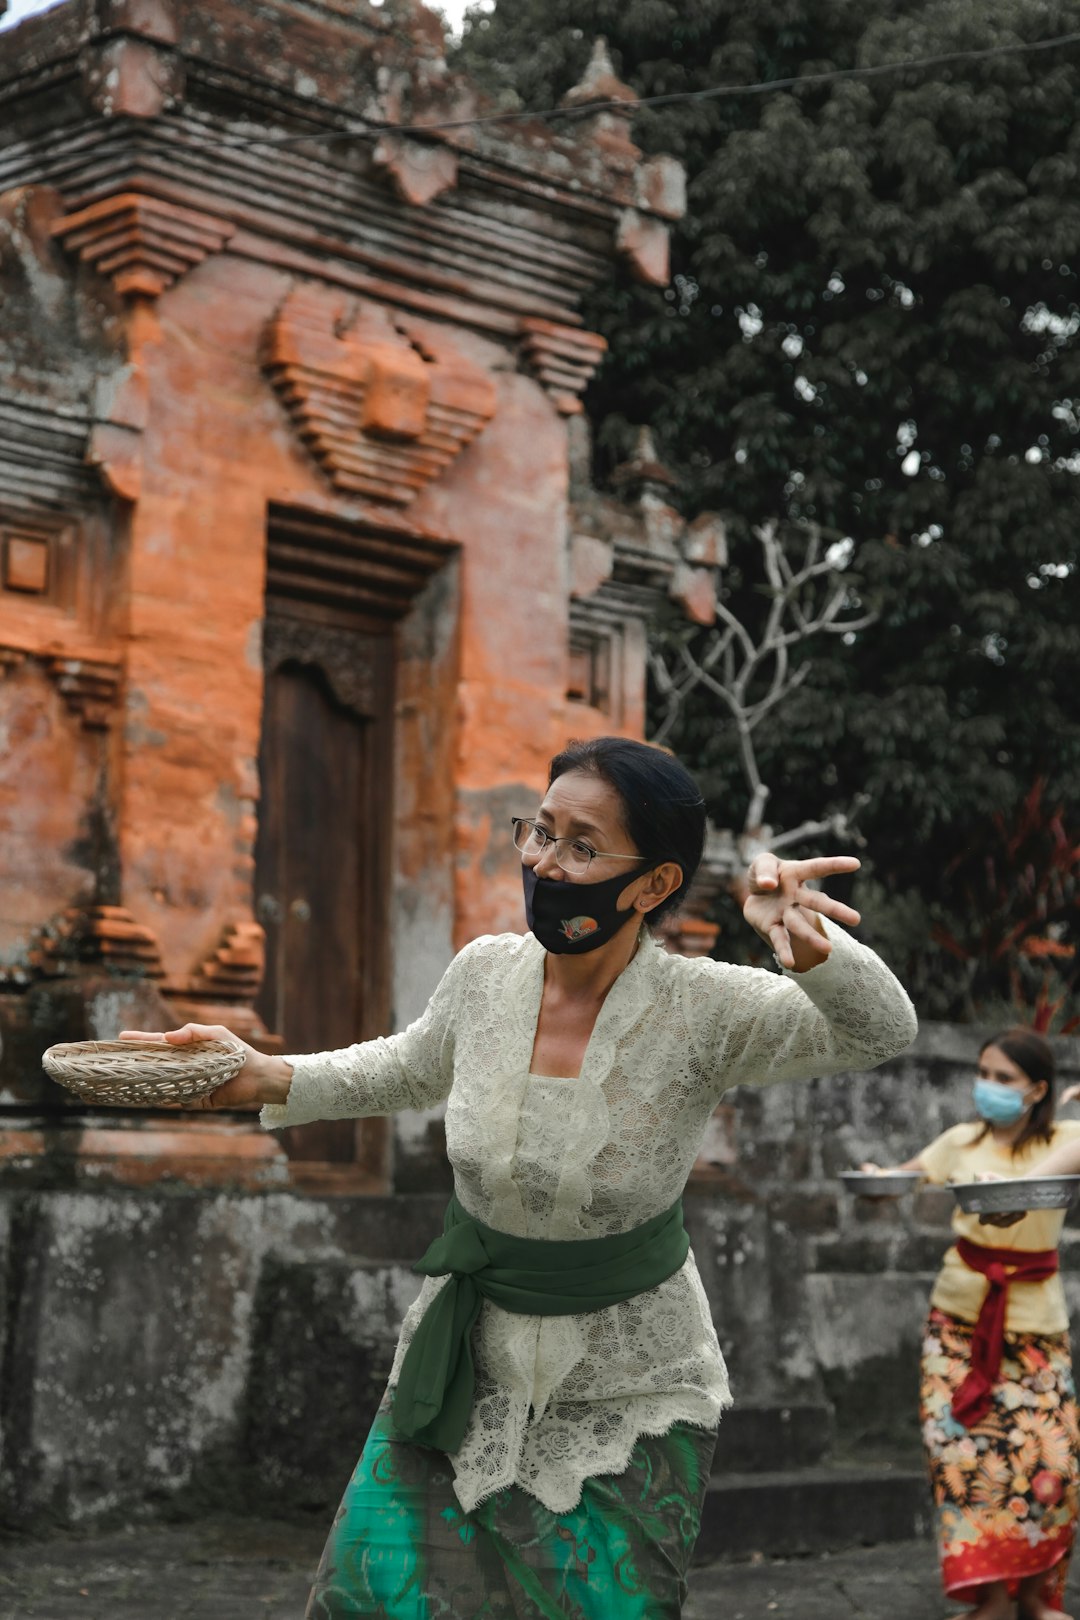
x: 171, y: 1348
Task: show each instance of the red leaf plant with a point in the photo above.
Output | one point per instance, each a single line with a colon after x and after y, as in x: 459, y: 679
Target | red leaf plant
x: 1014, y: 901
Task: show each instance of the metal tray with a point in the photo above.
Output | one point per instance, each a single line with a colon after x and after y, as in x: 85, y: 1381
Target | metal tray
x: 867, y: 1185
x: 1006, y: 1197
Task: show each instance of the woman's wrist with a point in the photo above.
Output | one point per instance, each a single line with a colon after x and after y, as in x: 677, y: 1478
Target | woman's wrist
x: 804, y: 956
x: 274, y: 1080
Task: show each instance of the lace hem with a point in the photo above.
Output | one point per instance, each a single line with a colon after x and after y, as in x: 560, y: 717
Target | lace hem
x: 558, y: 1484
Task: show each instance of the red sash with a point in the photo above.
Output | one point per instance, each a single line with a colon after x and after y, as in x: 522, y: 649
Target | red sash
x: 1000, y: 1267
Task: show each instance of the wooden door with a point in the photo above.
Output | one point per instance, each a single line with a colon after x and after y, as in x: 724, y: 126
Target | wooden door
x: 321, y: 862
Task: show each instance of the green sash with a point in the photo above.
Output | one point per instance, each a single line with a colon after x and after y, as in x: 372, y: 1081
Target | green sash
x: 531, y: 1276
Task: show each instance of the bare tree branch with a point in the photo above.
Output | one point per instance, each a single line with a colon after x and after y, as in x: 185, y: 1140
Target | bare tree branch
x: 734, y: 664
x: 850, y: 624
x: 838, y: 825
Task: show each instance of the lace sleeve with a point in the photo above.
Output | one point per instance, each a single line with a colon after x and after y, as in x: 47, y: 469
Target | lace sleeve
x: 753, y: 1027
x: 413, y: 1069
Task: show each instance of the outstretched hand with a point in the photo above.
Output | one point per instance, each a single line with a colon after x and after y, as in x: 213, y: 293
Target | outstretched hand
x: 256, y: 1083
x: 1003, y: 1217
x: 785, y: 912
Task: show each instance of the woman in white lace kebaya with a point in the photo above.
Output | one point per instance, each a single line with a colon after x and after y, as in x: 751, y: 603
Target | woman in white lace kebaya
x: 545, y: 1449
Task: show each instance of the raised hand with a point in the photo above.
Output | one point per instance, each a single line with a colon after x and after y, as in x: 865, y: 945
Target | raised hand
x: 784, y: 911
x: 261, y: 1080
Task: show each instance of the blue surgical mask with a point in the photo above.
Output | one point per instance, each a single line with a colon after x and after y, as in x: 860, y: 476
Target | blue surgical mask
x: 998, y: 1104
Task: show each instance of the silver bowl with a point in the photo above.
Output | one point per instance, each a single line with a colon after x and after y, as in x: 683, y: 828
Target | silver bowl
x: 1007, y: 1197
x: 865, y: 1184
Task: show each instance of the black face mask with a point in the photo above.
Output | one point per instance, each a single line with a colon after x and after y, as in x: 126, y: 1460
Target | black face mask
x: 572, y: 918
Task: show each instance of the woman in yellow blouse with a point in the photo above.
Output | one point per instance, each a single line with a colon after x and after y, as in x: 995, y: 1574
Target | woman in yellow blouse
x: 1063, y: 1160
x: 998, y: 1404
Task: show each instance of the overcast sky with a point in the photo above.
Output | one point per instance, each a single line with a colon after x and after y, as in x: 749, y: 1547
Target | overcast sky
x: 452, y: 10
x: 18, y: 9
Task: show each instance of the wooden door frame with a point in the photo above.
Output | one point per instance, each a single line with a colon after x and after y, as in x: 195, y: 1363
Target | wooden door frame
x: 357, y: 658
x: 358, y: 573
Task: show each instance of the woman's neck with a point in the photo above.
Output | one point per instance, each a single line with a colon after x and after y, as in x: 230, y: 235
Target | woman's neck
x: 591, y: 975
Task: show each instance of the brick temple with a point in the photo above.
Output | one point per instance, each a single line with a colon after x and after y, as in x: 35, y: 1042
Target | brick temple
x: 302, y: 576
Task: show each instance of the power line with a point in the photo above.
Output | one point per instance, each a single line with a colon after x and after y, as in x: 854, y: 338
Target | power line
x: 590, y: 109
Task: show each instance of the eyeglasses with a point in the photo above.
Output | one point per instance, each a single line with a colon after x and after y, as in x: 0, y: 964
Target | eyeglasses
x: 574, y: 855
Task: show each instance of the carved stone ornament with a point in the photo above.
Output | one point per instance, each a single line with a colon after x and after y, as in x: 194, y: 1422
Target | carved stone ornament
x: 132, y: 78
x: 90, y: 687
x: 144, y: 243
x: 116, y: 439
x: 563, y: 358
x: 610, y: 128
x: 419, y: 170
x: 339, y: 654
x: 233, y: 972
x: 107, y: 936
x: 381, y: 414
x: 628, y: 551
x: 645, y: 242
x: 661, y: 187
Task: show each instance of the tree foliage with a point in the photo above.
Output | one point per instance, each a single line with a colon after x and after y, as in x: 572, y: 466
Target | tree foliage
x: 873, y: 324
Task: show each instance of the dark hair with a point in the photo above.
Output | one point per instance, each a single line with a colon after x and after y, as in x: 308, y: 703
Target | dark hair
x: 1035, y: 1056
x: 662, y: 807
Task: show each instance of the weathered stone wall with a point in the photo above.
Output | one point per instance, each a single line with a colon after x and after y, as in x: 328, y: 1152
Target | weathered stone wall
x: 171, y: 1345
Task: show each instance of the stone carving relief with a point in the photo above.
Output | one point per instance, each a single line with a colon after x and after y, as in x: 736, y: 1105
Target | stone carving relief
x: 134, y: 69
x: 628, y: 554
x: 380, y: 412
x: 646, y: 243
x: 563, y: 358
x: 233, y: 972
x: 616, y: 104
x: 419, y: 171
x: 339, y: 654
x: 89, y: 685
x: 106, y: 936
x: 143, y: 243
x: 656, y: 191
x: 56, y: 433
x: 116, y: 437
x: 39, y: 619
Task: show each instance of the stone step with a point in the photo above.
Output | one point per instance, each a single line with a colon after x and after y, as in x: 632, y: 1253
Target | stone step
x: 811, y: 1510
x: 769, y: 1435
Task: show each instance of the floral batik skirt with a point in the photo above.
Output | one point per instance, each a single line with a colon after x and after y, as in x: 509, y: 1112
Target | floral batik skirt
x: 1005, y: 1491
x: 402, y: 1547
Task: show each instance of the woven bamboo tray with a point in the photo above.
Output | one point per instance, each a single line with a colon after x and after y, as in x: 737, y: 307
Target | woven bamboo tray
x: 143, y: 1073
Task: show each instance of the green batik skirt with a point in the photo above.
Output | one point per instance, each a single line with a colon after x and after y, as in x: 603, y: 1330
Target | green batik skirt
x: 402, y: 1547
